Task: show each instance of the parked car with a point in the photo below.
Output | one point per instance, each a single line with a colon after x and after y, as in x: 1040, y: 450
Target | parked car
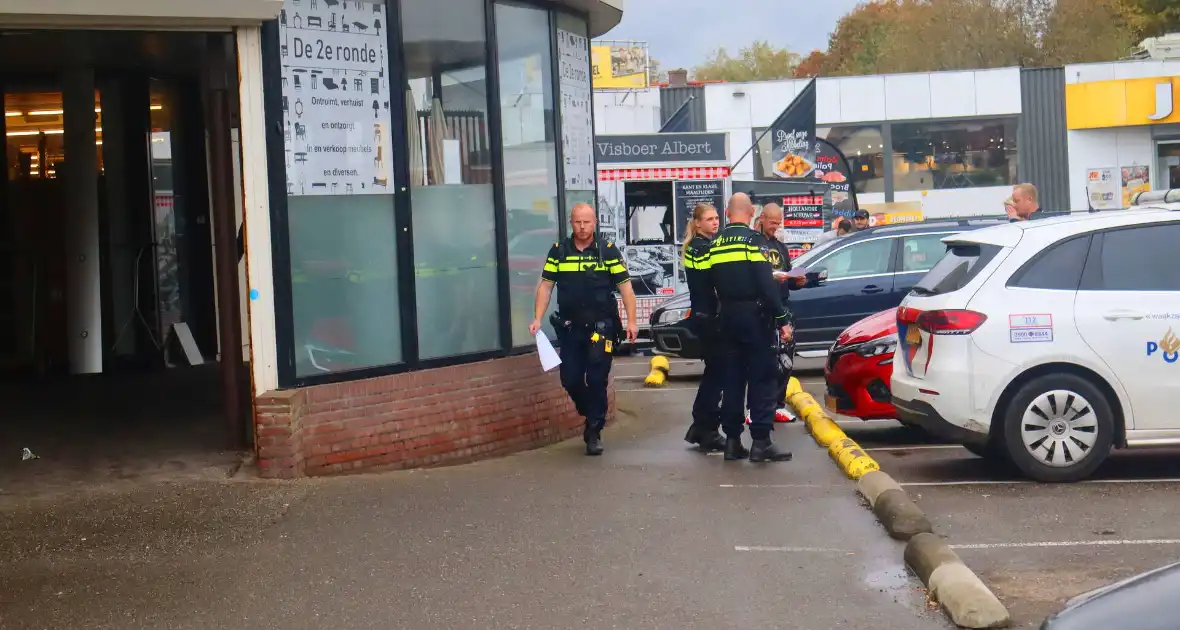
x: 847, y: 280
x: 1048, y: 342
x: 859, y: 367
x: 1141, y: 602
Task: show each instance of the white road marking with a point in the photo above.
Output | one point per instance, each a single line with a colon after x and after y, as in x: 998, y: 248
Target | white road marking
x: 860, y: 422
x: 918, y: 447
x: 1070, y: 543
x: 984, y: 482
x: 791, y: 549
x: 773, y: 485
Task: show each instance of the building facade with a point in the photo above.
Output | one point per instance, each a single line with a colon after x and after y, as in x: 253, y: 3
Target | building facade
x: 949, y: 143
x: 393, y: 173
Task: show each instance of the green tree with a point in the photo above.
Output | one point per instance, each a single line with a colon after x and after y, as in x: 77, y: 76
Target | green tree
x: 856, y: 44
x: 758, y: 62
x: 1151, y: 18
x: 1078, y: 31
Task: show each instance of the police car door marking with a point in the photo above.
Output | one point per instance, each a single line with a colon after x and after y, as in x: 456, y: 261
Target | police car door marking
x: 1030, y: 328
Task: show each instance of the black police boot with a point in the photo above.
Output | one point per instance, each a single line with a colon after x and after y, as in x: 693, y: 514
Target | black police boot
x: 766, y: 451
x: 593, y: 443
x: 734, y: 450
x: 707, y: 440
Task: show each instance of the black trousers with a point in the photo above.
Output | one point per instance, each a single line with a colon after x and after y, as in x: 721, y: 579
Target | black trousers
x: 585, y: 368
x: 750, y: 346
x: 706, y: 412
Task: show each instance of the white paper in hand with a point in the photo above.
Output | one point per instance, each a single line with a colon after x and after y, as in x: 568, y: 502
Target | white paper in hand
x: 549, y: 357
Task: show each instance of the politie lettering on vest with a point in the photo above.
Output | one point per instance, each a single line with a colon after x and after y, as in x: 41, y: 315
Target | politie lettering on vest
x: 586, y: 271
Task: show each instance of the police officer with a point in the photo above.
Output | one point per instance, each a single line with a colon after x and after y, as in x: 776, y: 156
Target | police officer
x: 586, y: 272
x: 706, y: 418
x: 770, y: 222
x: 751, y: 317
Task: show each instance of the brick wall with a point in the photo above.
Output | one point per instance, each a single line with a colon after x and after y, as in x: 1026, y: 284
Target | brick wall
x: 433, y: 417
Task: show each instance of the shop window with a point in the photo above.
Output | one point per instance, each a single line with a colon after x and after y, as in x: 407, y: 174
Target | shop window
x: 861, y: 144
x: 451, y: 195
x: 959, y: 154
x: 340, y: 202
x: 524, y: 43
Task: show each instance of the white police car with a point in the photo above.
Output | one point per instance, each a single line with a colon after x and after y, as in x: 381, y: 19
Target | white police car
x: 1049, y: 342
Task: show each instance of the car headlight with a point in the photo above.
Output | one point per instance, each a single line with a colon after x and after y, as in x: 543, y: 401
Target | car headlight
x: 877, y: 347
x: 672, y: 316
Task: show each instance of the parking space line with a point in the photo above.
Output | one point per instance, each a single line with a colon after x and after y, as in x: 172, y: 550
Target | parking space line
x: 916, y: 447
x: 770, y: 485
x: 791, y: 549
x: 1070, y: 543
x: 656, y: 390
x: 860, y: 422
x: 1013, y: 482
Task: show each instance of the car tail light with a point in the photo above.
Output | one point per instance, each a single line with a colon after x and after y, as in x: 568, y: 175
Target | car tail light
x: 951, y: 321
x: 907, y: 315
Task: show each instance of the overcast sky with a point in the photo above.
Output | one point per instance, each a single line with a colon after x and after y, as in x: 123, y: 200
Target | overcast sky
x: 681, y: 33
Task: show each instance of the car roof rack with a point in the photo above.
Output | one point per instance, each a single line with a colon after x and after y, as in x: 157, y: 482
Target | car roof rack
x: 1156, y: 196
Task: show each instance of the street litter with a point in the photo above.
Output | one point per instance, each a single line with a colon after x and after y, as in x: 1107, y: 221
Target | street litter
x: 26, y: 455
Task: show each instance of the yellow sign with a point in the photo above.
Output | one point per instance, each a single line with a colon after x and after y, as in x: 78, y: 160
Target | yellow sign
x: 619, y: 67
x: 1122, y: 103
x: 895, y: 212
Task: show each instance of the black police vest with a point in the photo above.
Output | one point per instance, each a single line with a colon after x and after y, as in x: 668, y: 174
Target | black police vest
x: 588, y: 293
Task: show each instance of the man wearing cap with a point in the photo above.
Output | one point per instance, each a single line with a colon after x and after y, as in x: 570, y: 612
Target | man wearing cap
x: 860, y: 220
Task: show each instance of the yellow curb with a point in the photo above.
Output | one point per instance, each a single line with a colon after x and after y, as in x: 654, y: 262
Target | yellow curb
x: 847, y: 454
x: 793, y: 387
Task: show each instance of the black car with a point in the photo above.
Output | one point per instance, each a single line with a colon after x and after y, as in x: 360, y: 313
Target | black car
x: 847, y: 279
x: 1142, y: 602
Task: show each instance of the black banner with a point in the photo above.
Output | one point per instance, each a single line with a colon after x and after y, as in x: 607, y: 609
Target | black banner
x: 693, y: 191
x: 792, y: 140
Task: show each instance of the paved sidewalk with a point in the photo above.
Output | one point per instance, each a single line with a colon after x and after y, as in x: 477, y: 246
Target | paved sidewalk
x: 651, y: 535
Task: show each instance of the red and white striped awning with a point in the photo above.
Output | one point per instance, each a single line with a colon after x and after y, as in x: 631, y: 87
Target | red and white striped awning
x: 640, y: 174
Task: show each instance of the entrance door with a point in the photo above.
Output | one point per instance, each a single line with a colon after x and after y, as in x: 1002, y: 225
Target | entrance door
x: 1168, y: 152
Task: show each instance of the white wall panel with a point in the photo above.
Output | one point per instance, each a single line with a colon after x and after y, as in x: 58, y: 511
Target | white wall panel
x: 1095, y: 148
x: 862, y: 99
x: 952, y: 94
x: 723, y: 110
x: 740, y: 139
x: 958, y: 202
x: 1089, y: 72
x: 997, y: 92
x: 827, y: 101
x: 907, y: 96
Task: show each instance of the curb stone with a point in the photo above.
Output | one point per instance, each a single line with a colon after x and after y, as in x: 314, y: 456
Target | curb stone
x: 961, y: 594
x: 658, y: 377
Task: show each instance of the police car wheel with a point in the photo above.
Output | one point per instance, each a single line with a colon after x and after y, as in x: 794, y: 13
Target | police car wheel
x: 1058, y: 428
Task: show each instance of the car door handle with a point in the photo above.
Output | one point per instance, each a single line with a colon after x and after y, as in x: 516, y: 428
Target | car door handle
x: 872, y: 288
x: 1116, y: 315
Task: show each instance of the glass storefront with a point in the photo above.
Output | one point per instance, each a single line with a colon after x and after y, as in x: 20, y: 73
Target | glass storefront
x: 959, y: 154
x: 428, y: 171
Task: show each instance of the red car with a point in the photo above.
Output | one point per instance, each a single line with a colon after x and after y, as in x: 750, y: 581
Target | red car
x: 859, y: 367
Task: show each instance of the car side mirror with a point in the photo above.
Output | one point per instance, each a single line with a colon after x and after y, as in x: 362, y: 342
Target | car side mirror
x: 817, y: 276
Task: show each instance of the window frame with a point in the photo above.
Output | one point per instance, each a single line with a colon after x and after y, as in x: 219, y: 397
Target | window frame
x: 890, y: 267
x: 886, y: 126
x: 899, y: 251
x: 1092, y: 275
x: 1014, y: 280
x: 402, y: 210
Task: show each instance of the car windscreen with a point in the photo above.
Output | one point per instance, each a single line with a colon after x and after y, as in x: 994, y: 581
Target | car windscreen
x: 953, y: 271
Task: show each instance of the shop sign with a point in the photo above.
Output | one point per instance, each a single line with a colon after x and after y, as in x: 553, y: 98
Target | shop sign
x: 1102, y: 188
x: 656, y: 148
x: 1124, y: 103
x: 335, y: 98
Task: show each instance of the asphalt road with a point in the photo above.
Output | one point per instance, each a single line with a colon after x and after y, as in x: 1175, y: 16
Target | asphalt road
x: 651, y: 535
x: 1036, y: 545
